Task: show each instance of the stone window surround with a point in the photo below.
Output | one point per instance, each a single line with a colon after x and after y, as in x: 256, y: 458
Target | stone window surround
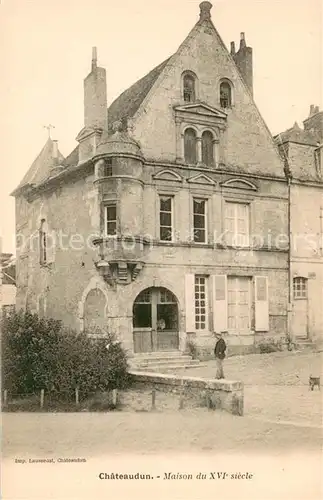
x: 196, y: 84
x: 226, y: 80
x: 199, y: 129
x: 238, y: 198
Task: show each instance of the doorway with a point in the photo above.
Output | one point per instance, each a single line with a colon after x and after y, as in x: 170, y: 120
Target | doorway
x: 300, y: 308
x: 155, y: 321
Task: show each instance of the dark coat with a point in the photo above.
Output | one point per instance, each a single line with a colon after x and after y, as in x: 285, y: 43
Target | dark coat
x: 220, y: 348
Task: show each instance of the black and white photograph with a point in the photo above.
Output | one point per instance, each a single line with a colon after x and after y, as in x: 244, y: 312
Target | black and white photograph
x: 161, y: 249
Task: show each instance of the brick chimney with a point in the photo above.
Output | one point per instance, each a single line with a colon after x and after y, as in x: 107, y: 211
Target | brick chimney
x: 243, y: 60
x: 314, y: 123
x: 95, y: 96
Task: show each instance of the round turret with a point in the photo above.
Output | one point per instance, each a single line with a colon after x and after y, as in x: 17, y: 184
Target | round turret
x: 119, y: 143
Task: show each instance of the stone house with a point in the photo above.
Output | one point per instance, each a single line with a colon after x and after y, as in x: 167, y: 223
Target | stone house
x: 164, y: 223
x: 301, y: 150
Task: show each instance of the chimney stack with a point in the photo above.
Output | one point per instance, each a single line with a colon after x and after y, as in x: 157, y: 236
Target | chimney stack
x: 205, y: 11
x: 314, y: 123
x: 243, y: 60
x: 242, y: 41
x: 95, y: 96
x: 233, y: 48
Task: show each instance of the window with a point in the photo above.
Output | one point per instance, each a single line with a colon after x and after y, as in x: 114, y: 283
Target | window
x: 207, y: 148
x: 111, y: 219
x: 199, y: 220
x: 43, y: 242
x: 237, y: 224
x: 300, y: 288
x: 190, y: 146
x: 107, y: 170
x: 7, y: 310
x: 239, y: 304
x: 189, y: 88
x: 225, y: 95
x: 166, y: 218
x: 201, y: 302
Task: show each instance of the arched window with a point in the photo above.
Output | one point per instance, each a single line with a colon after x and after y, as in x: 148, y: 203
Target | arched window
x: 207, y: 148
x: 190, y: 143
x: 43, y: 242
x: 225, y: 95
x: 189, y: 93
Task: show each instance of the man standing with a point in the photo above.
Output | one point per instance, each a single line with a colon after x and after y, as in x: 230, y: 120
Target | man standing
x: 219, y: 353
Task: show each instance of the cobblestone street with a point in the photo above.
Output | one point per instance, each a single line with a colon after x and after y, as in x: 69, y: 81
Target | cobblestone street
x: 276, y: 385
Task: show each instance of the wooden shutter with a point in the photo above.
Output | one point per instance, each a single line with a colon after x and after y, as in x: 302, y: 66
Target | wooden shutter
x: 261, y: 304
x: 220, y: 303
x: 190, y: 302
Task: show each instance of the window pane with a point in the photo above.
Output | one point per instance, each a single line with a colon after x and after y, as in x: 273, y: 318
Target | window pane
x: 199, y: 206
x: 165, y: 234
x: 165, y: 203
x: 111, y: 212
x: 142, y: 315
x: 165, y: 219
x: 111, y: 228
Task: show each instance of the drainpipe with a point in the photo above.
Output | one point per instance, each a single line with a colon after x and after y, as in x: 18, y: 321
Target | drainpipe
x: 289, y: 261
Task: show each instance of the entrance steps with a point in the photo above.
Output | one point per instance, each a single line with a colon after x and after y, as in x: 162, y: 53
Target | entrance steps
x: 304, y: 344
x: 162, y: 362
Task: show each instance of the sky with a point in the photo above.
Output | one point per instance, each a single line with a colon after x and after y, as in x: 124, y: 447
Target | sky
x: 45, y: 53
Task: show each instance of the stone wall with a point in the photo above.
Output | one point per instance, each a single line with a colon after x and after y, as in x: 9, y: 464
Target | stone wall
x: 216, y: 394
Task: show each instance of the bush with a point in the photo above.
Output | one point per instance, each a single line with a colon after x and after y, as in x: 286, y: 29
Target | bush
x: 40, y: 354
x: 271, y: 344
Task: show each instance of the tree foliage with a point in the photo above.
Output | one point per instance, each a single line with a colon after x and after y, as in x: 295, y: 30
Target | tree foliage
x: 38, y: 353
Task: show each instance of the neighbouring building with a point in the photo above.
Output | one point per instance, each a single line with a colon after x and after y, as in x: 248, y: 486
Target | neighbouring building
x: 7, y: 284
x: 163, y: 225
x: 302, y: 152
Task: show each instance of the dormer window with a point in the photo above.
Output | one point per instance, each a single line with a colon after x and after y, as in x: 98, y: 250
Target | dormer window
x: 225, y: 94
x: 189, y: 90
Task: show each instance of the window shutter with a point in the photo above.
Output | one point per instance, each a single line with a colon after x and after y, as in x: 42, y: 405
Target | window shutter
x: 261, y: 304
x: 50, y: 247
x: 190, y: 303
x: 220, y: 303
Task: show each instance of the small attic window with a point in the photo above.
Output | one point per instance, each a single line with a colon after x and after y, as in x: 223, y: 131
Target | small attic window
x: 189, y: 87
x: 225, y: 94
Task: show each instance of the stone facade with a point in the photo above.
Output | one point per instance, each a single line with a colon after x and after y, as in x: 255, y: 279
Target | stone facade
x: 301, y: 150
x: 178, y: 191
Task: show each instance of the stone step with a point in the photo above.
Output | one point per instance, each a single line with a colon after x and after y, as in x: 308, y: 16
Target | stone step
x: 158, y: 354
x: 149, y: 361
x: 170, y: 363
x: 167, y: 368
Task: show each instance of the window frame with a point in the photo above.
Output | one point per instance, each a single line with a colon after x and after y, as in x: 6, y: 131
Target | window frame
x: 235, y: 280
x: 300, y: 293
x: 192, y: 75
x: 171, y: 197
x: 186, y: 160
x: 236, y: 204
x: 205, y: 200
x: 231, y: 97
x: 106, y: 206
x: 43, y: 243
x: 198, y: 308
x: 214, y: 142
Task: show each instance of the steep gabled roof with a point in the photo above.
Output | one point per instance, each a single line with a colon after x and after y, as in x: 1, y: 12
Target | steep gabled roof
x: 297, y: 135
x: 126, y: 105
x: 41, y: 166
